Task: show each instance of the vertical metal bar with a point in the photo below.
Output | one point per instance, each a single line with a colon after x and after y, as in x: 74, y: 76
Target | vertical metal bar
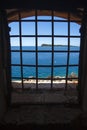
x: 52, y: 68
x: 21, y: 61
x: 68, y: 52
x: 36, y: 40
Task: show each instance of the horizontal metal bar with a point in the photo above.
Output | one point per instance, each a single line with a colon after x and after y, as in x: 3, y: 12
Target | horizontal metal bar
x: 53, y: 78
x: 27, y: 65
x: 59, y: 36
x: 13, y: 77
x: 48, y: 51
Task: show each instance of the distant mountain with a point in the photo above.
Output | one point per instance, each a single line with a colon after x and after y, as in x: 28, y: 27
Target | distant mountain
x: 54, y: 45
x: 50, y: 45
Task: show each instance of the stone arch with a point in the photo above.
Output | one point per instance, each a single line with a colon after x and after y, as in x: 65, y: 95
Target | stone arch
x: 13, y: 14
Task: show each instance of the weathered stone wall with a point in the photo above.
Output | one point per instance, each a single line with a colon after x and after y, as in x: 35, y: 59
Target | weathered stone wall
x: 4, y: 61
x: 83, y: 65
x: 2, y: 95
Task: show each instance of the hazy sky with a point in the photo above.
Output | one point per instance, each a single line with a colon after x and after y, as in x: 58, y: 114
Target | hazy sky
x: 44, y: 28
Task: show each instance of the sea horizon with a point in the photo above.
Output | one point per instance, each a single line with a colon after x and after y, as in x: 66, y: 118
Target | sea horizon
x: 44, y: 59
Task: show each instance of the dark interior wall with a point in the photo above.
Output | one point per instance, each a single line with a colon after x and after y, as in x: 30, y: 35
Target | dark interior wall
x: 43, y: 4
x: 4, y: 63
x: 2, y: 85
x: 2, y: 94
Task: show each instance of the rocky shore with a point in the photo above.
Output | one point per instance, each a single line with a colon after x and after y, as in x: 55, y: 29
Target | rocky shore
x: 45, y: 83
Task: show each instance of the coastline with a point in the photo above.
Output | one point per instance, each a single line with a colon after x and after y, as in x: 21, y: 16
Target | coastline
x: 31, y: 83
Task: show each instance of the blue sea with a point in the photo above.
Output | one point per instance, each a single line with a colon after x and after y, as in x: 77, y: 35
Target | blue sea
x: 44, y: 59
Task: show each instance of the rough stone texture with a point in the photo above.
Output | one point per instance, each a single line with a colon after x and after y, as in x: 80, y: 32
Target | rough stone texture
x: 44, y: 96
x: 2, y: 104
x: 40, y: 115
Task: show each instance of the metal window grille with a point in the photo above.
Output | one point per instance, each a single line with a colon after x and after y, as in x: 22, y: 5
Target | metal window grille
x: 20, y: 35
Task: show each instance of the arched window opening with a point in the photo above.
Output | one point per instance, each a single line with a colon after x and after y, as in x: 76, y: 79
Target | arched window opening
x: 44, y: 56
